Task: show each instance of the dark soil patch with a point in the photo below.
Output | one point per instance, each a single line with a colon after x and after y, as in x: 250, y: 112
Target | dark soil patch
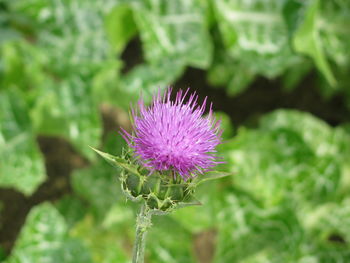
x: 266, y: 95
x: 12, y: 217
x: 60, y: 160
x: 204, y: 245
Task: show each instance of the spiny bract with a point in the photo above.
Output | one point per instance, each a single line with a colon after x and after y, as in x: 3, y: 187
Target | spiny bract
x: 174, y: 135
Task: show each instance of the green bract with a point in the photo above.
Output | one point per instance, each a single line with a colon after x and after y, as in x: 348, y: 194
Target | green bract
x: 161, y: 192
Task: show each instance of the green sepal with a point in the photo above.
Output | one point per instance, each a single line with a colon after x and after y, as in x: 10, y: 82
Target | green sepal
x: 118, y: 162
x: 161, y: 192
x: 176, y: 205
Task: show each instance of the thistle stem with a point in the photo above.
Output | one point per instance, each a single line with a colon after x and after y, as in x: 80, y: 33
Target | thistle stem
x: 143, y: 223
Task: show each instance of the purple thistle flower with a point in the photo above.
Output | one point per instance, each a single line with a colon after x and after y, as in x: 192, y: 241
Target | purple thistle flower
x: 174, y: 135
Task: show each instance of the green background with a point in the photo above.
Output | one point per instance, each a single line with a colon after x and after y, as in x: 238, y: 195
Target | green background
x: 278, y: 74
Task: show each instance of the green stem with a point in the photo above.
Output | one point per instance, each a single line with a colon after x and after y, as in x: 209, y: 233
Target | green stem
x: 143, y: 222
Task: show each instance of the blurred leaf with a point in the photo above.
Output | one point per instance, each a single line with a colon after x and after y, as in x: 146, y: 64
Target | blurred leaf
x: 248, y: 231
x: 328, y: 227
x: 120, y: 26
x: 143, y: 79
x: 194, y: 218
x: 167, y: 248
x: 318, y: 135
x: 254, y: 154
x: 279, y: 234
x: 226, y: 125
x: 307, y: 41
x: 114, y: 143
x: 335, y: 35
x: 99, y: 184
x: 212, y: 175
x: 288, y: 202
x: 44, y: 238
x: 167, y: 31
x: 7, y: 31
x: 255, y: 34
x: 241, y: 79
x: 67, y: 108
x: 106, y: 86
x: 294, y: 12
x: 200, y: 218
x: 108, y: 243
x: 70, y: 48
x: 191, y: 202
x: 22, y: 67
x: 278, y: 164
x: 21, y: 163
x: 71, y: 208
x: 330, y: 219
x: 346, y: 127
x: 294, y: 75
x: 226, y: 71
x: 147, y: 79
x: 72, y: 30
x: 7, y: 34
x: 2, y: 254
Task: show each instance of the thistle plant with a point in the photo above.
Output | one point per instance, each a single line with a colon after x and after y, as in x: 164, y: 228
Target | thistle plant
x: 170, y: 151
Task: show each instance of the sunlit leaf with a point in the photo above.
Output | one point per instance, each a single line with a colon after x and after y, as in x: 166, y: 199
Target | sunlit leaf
x: 146, y: 79
x: 111, y: 242
x: 255, y: 34
x: 226, y: 71
x: 323, y: 139
x: 307, y: 41
x: 248, y: 232
x: 289, y: 194
x: 335, y: 35
x: 106, y: 189
x: 73, y: 29
x: 44, y: 238
x: 64, y: 110
x: 72, y: 209
x: 120, y: 26
x: 167, y: 248
x: 21, y: 163
x: 167, y: 30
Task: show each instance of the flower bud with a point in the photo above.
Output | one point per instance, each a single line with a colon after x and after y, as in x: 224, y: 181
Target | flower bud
x: 159, y: 192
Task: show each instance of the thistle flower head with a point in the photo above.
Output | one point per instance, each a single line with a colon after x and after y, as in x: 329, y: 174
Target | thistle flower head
x: 174, y: 135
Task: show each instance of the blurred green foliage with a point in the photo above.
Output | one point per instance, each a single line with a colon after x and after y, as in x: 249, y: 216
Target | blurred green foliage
x: 61, y: 59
